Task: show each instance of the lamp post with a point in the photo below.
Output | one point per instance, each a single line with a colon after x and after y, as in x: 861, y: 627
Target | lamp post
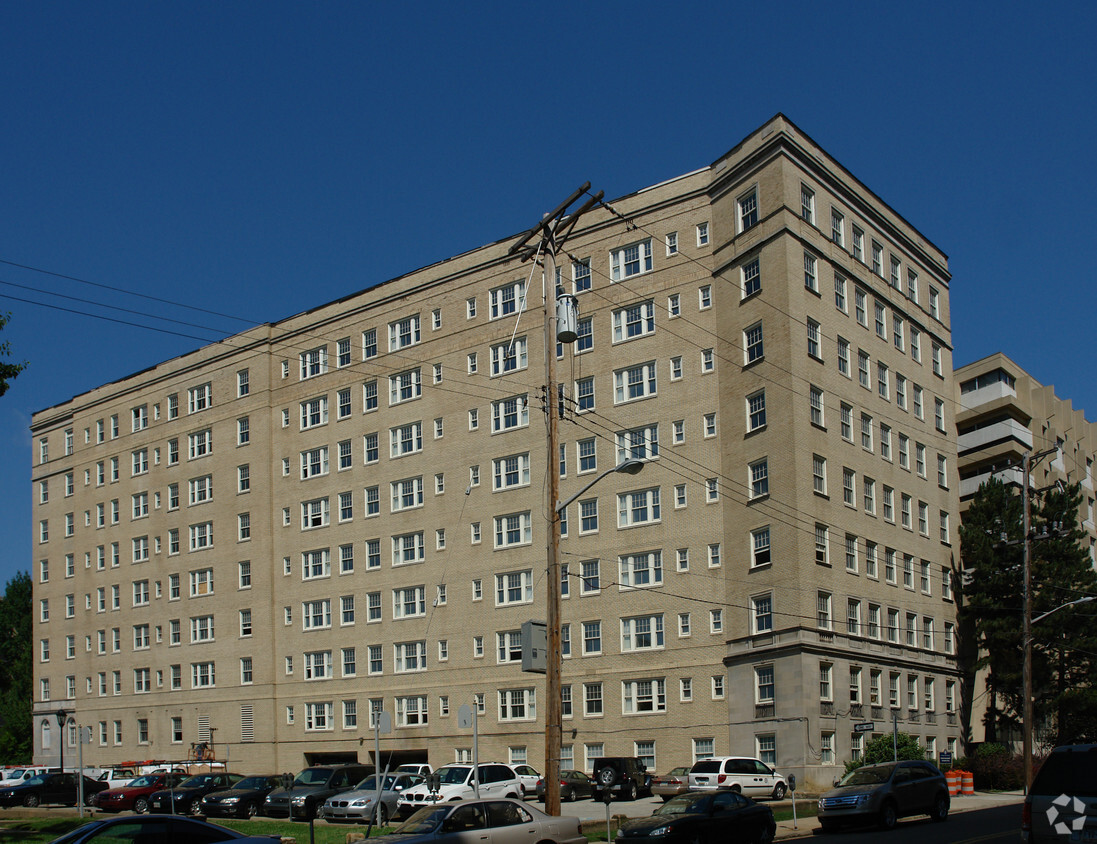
x: 62, y: 721
x: 554, y: 716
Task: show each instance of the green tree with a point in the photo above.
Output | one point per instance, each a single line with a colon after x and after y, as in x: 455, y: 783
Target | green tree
x: 883, y: 749
x: 15, y: 670
x: 8, y: 371
x: 991, y: 610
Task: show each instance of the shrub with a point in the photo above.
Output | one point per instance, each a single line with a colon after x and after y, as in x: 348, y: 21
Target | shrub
x: 883, y: 749
x: 995, y: 767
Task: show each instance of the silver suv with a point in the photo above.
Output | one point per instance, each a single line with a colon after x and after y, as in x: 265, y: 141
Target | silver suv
x: 884, y: 793
x: 743, y: 774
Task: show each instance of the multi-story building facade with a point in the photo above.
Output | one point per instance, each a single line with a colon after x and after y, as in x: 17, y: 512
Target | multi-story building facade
x: 1003, y: 413
x: 269, y: 540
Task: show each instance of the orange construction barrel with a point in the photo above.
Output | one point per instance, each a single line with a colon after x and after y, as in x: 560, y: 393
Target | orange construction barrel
x: 953, y: 779
x: 967, y: 784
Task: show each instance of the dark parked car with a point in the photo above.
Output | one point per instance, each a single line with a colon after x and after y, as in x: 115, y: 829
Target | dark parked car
x: 312, y: 787
x: 48, y: 788
x: 703, y: 817
x: 884, y: 793
x: 135, y: 796
x: 1062, y: 803
x: 186, y: 798
x: 623, y: 776
x: 573, y: 785
x: 671, y: 784
x: 242, y: 800
x: 502, y: 821
x: 159, y: 828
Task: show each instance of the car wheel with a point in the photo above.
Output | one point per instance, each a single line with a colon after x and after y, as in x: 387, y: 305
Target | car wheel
x: 192, y: 808
x: 940, y: 808
x: 631, y: 792
x: 141, y: 805
x: 829, y: 826
x: 31, y: 801
x: 382, y: 815
x: 888, y: 815
x: 779, y: 791
x: 251, y: 809
x: 570, y: 795
x: 767, y: 834
x: 738, y: 789
x: 606, y: 776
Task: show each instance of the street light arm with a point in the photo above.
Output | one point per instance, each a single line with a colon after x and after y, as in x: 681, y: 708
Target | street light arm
x: 629, y: 467
x: 1075, y: 602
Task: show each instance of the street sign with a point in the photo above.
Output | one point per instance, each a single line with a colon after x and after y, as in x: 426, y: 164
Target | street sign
x: 464, y: 716
x: 864, y: 727
x: 945, y: 757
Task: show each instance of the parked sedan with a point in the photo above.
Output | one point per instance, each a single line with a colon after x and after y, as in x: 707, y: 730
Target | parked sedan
x: 186, y: 798
x: 357, y: 804
x: 884, y: 793
x: 573, y: 785
x: 135, y: 796
x: 671, y: 784
x: 502, y: 821
x: 703, y: 817
x: 242, y: 800
x: 528, y: 777
x: 160, y: 828
x: 48, y: 788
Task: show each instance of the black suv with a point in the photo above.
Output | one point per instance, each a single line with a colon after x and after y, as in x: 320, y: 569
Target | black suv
x: 1061, y: 803
x: 311, y: 788
x: 623, y: 776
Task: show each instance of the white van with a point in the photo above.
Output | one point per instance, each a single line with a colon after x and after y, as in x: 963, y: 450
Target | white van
x: 20, y: 775
x: 744, y: 774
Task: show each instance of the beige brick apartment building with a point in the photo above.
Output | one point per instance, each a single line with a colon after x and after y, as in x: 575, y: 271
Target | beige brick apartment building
x: 275, y: 536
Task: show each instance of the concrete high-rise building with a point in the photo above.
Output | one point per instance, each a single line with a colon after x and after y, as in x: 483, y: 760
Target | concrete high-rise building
x: 266, y: 541
x: 1002, y: 413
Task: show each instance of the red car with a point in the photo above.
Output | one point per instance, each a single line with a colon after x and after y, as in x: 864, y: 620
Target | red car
x: 135, y: 795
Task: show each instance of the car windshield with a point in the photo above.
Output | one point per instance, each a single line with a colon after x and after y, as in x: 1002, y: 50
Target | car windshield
x: 148, y: 779
x: 370, y: 783
x: 867, y: 776
x: 423, y: 821
x: 252, y: 782
x: 38, y: 780
x: 453, y: 776
x: 685, y: 804
x: 17, y: 774
x: 197, y: 781
x: 313, y: 776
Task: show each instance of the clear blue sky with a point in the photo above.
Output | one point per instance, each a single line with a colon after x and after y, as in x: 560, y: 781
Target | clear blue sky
x: 259, y: 158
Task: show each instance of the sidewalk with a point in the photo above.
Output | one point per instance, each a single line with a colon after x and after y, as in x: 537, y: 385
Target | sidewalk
x: 980, y: 800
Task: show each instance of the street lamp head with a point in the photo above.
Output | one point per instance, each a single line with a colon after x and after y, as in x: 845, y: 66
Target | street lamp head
x: 632, y: 466
x: 62, y: 717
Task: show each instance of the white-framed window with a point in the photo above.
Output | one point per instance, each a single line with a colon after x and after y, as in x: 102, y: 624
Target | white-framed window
x: 761, y: 613
x: 511, y: 471
x: 313, y: 462
x: 632, y: 321
x: 409, y: 657
x: 760, y: 554
x: 408, y: 548
x: 702, y: 234
x: 634, y: 382
x: 316, y: 564
x: 580, y: 273
x: 638, y: 507
x: 405, y: 386
x: 641, y: 696
x: 406, y: 494
x: 811, y: 278
x: 751, y: 278
x: 314, y: 362
x: 513, y: 529
x: 517, y: 705
x: 631, y: 260
x: 405, y: 439
x: 756, y: 410
x: 201, y: 536
x: 509, y: 356
x: 641, y: 569
x: 807, y: 204
x: 314, y: 412
x: 747, y: 210
x: 202, y: 675
x: 642, y: 633
x: 753, y: 349
x: 508, y: 299
x: 638, y: 443
x: 315, y: 513
x: 404, y: 332
x: 819, y: 474
x: 200, y: 444
x: 514, y: 588
x: 758, y: 478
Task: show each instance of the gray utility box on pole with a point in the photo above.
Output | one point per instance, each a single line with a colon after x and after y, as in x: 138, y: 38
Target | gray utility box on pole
x: 534, y: 647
